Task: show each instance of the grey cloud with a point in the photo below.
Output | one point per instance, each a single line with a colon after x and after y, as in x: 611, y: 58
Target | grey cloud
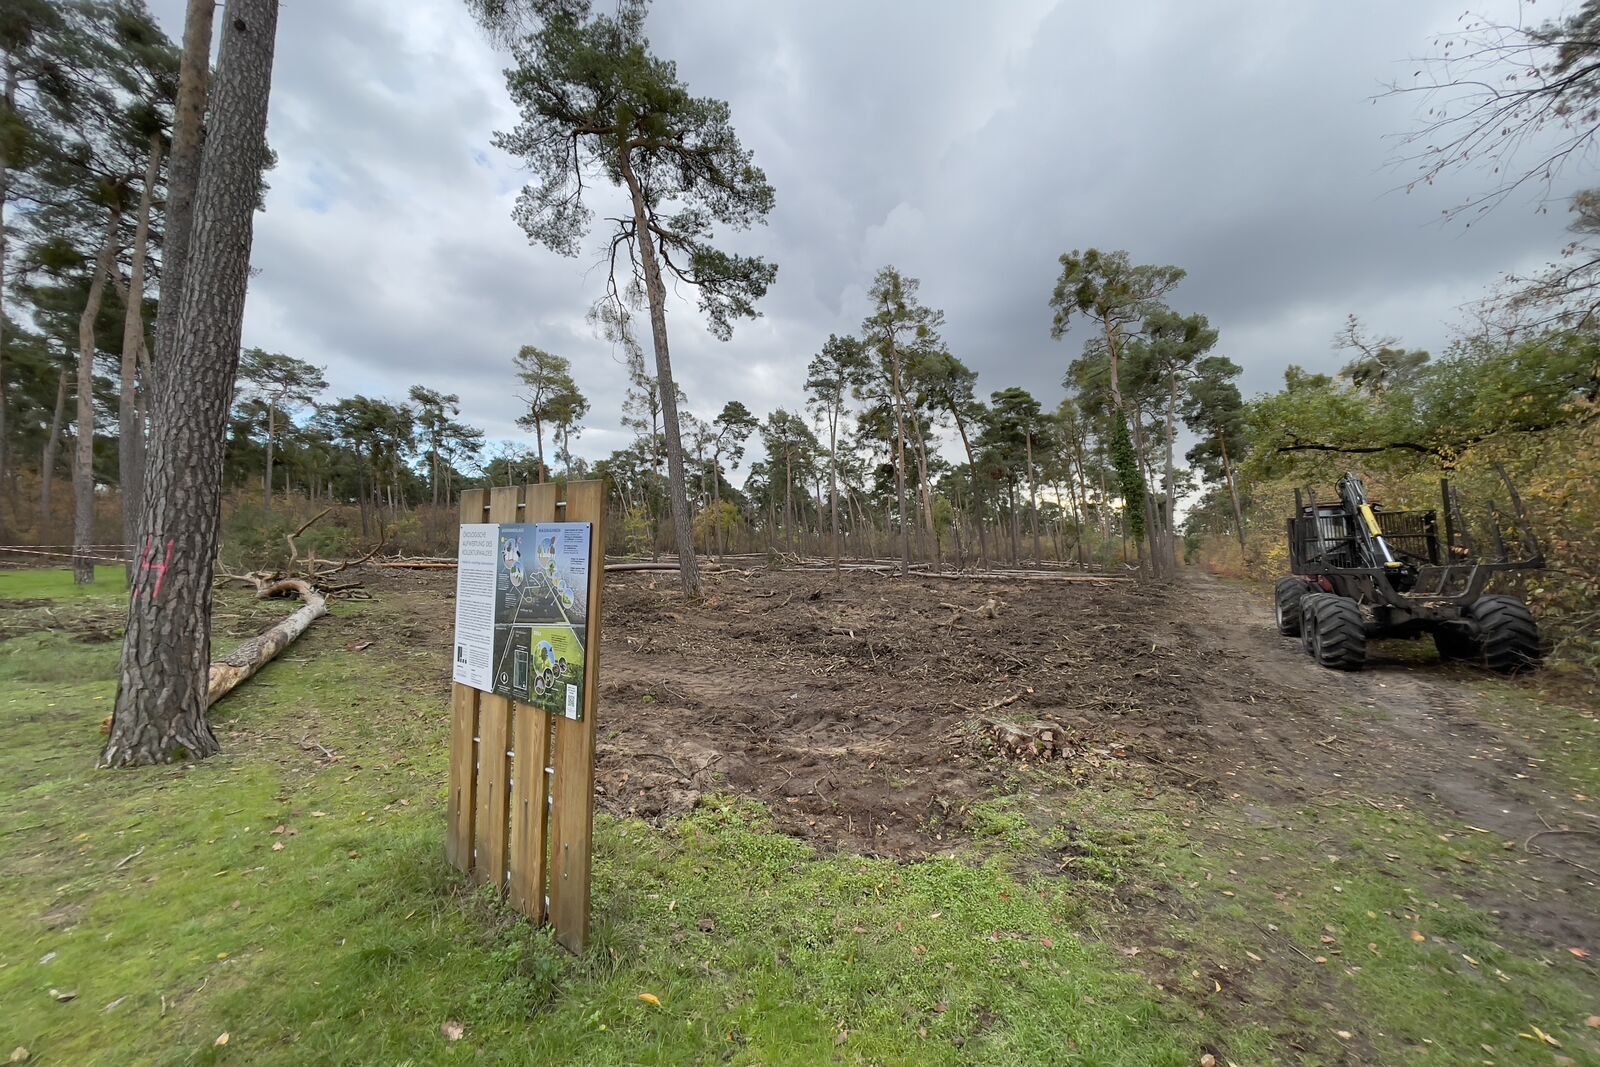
x: 968, y: 144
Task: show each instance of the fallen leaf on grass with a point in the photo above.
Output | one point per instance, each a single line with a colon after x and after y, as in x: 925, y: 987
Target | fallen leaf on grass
x: 651, y: 999
x: 1581, y: 953
x: 277, y: 846
x: 1592, y: 1022
x: 1252, y: 955
x: 19, y: 1054
x: 1416, y: 935
x: 222, y: 1039
x: 62, y: 995
x: 1343, y: 1035
x: 453, y: 1030
x: 1540, y: 1035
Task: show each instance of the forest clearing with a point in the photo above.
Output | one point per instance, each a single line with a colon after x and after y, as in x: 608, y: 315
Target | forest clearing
x: 812, y: 846
x: 1129, y: 595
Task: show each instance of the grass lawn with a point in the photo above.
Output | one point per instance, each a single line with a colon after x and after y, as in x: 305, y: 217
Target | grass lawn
x: 275, y: 906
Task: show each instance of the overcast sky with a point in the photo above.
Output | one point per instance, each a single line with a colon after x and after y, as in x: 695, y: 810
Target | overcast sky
x: 968, y: 144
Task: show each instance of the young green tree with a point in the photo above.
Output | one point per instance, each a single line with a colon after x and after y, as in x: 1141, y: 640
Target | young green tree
x: 1112, y: 292
x: 948, y: 384
x: 1213, y: 409
x: 731, y: 429
x: 1379, y: 364
x: 567, y: 411
x: 900, y: 330
x: 1173, y: 344
x: 160, y: 710
x: 434, y: 413
x: 1016, y: 420
x: 281, y: 384
x: 544, y: 376
x: 833, y: 376
x: 594, y: 100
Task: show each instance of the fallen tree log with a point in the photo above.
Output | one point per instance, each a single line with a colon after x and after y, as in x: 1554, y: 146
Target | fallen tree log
x: 262, y: 649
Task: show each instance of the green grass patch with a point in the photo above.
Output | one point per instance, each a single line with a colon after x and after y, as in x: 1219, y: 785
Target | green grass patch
x: 304, y: 908
x: 58, y: 584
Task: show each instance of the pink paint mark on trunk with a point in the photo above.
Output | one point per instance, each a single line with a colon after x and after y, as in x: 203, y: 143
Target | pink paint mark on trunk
x: 161, y: 571
x: 161, y: 568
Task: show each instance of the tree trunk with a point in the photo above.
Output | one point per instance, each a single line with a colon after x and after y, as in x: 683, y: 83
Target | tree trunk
x: 1233, y: 492
x: 130, y: 426
x: 7, y: 107
x: 1170, y: 474
x: 900, y: 457
x: 1033, y: 499
x: 1138, y: 440
x: 538, y: 437
x: 977, y: 496
x: 666, y: 389
x: 224, y: 676
x: 188, y: 135
x: 83, y: 445
x: 833, y: 491
x: 161, y: 698
x: 927, y: 488
x: 266, y: 483
x: 47, y: 462
x: 788, y: 503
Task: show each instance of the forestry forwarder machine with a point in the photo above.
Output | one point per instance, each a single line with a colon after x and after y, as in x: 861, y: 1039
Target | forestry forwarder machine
x: 1362, y: 573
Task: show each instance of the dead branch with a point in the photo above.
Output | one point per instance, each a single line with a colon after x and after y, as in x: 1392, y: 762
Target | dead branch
x: 294, y: 550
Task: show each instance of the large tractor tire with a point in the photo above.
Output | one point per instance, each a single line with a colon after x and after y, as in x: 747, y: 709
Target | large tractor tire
x: 1339, y: 640
x: 1286, y: 600
x: 1508, y: 636
x: 1308, y: 621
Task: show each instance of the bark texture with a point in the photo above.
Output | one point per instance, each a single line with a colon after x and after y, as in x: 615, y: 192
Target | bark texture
x: 188, y: 136
x: 226, y: 675
x: 163, y: 684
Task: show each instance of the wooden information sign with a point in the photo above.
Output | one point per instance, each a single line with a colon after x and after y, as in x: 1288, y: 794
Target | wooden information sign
x: 521, y: 805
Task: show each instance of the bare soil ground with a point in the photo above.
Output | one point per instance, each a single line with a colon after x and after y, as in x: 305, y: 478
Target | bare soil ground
x: 859, y: 714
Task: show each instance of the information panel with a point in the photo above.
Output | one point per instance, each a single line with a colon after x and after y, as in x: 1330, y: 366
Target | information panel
x: 522, y: 607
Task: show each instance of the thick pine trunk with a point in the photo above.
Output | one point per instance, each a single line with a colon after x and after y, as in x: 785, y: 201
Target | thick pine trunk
x: 682, y: 520
x: 83, y: 446
x: 188, y: 135
x: 162, y: 694
x: 130, y: 424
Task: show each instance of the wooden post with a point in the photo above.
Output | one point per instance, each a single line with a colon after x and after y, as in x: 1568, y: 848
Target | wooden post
x: 530, y: 850
x: 494, y: 739
x: 462, y: 802
x: 572, y: 785
x: 522, y: 818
